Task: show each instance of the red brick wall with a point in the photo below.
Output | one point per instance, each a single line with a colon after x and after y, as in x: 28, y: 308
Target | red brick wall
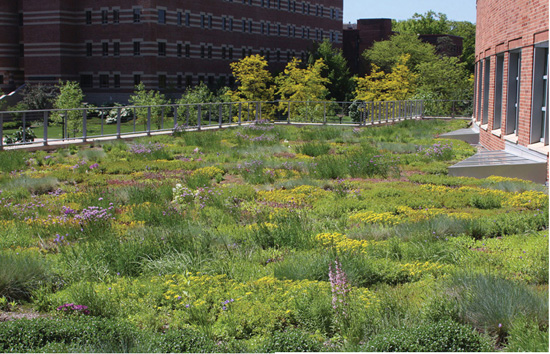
x: 502, y: 26
x: 55, y: 34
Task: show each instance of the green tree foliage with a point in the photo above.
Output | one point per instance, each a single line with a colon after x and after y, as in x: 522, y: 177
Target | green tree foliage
x: 255, y: 84
x: 303, y: 85
x: 336, y: 71
x: 446, y: 78
x: 188, y: 112
x: 70, y: 96
x: 467, y: 31
x: 39, y: 96
x: 398, y: 84
x: 438, y: 23
x: 386, y: 54
x: 142, y: 97
x: 428, y: 23
x: 253, y: 78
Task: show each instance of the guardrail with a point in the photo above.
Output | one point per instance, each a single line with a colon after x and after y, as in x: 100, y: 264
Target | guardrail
x: 83, y: 124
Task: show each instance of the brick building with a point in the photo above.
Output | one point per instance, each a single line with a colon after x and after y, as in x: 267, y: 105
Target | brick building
x: 109, y: 46
x: 511, y: 91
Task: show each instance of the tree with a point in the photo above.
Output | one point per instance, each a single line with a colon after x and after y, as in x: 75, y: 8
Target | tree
x: 253, y: 78
x: 428, y: 23
x: 39, y: 96
x: 445, y: 79
x: 70, y: 97
x: 304, y: 88
x: 467, y: 31
x: 200, y: 94
x: 142, y: 97
x: 254, y: 84
x: 337, y: 71
x: 399, y: 84
x: 386, y: 54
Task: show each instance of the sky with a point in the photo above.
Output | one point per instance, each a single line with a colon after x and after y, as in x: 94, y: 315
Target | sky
x: 405, y: 9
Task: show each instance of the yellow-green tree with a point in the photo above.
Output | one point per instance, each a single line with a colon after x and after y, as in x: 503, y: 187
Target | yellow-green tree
x: 254, y: 82
x: 304, y: 88
x: 397, y: 85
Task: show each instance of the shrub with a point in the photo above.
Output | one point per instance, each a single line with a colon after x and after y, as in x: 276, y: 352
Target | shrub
x: 13, y: 160
x: 527, y: 336
x: 102, y: 334
x: 442, y: 336
x: 185, y: 340
x: 291, y: 340
x: 313, y: 149
x: 21, y: 273
x: 486, y: 201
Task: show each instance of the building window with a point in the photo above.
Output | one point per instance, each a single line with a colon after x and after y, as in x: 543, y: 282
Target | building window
x: 230, y: 53
x: 116, y: 49
x: 180, y: 81
x: 104, y: 81
x: 105, y: 48
x: 479, y: 74
x: 162, y: 81
x: 231, y: 24
x: 88, y: 17
x: 278, y: 29
x: 116, y: 16
x: 117, y: 81
x: 244, y: 25
x: 499, y: 80
x: 539, y: 114
x: 137, y: 48
x: 244, y: 53
x: 187, y: 50
x: 86, y: 81
x: 187, y: 19
x: 202, y: 21
x: 223, y: 53
x: 89, y: 49
x: 162, y: 49
x: 210, y: 21
x: 189, y: 80
x: 486, y: 78
x: 250, y: 26
x: 209, y: 52
x: 137, y: 79
x: 162, y: 16
x: 262, y: 28
x: 278, y: 55
x: 137, y: 15
x: 224, y: 23
x: 514, y: 80
x: 104, y: 16
x: 180, y: 18
x: 180, y: 50
x: 1, y: 79
x: 268, y: 55
x: 202, y: 51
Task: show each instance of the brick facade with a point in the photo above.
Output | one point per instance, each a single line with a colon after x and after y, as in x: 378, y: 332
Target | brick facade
x: 167, y: 44
x: 512, y: 36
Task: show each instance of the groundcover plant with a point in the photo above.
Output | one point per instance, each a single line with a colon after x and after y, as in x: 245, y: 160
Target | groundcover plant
x: 270, y: 238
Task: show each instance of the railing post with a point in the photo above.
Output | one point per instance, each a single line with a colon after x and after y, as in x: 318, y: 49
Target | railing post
x: 102, y: 119
x: 209, y: 114
x: 422, y: 109
x: 175, y: 117
x: 220, y: 116
x: 199, y: 117
x: 453, y: 111
x: 325, y: 113
x: 1, y: 131
x: 386, y: 111
x: 135, y: 117
x: 288, y: 115
x: 365, y: 114
x: 45, y: 129
x: 149, y: 121
x: 240, y: 112
x: 118, y: 122
x: 66, y: 125
x: 256, y: 113
x: 188, y: 113
x: 84, y: 126
x: 24, y: 127
x: 162, y: 118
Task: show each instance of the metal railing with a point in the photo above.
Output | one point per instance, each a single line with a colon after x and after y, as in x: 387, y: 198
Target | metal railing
x: 83, y: 124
